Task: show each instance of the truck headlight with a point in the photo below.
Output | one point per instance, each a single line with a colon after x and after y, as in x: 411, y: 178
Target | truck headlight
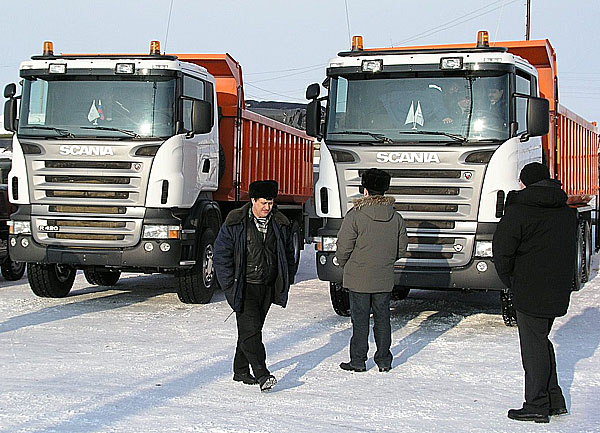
x: 19, y: 227
x: 483, y: 249
x: 327, y: 243
x: 161, y: 232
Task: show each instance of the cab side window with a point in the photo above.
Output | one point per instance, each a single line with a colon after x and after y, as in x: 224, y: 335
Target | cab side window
x: 194, y: 88
x: 524, y: 87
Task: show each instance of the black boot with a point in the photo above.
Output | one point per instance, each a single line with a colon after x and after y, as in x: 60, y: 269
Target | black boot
x: 267, y: 382
x: 525, y: 415
x: 349, y: 367
x: 558, y: 411
x: 246, y: 378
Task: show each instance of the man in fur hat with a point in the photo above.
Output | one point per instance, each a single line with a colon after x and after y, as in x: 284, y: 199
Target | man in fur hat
x: 371, y: 239
x: 534, y: 251
x: 254, y: 263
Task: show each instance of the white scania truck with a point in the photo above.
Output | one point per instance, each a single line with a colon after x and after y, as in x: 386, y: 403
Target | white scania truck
x: 453, y: 125
x: 131, y: 163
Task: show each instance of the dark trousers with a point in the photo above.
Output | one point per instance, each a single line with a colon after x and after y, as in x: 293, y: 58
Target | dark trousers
x: 250, y: 350
x: 361, y: 305
x: 542, y: 391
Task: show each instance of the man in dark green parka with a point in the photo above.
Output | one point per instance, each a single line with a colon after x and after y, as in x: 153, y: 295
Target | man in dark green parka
x: 371, y: 239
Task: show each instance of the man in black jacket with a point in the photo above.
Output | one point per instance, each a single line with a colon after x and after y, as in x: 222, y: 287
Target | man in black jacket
x: 254, y: 263
x: 534, y: 251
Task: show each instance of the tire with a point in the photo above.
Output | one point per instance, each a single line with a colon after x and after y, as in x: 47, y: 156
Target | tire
x: 587, y: 252
x: 578, y: 278
x: 297, y: 241
x: 12, y: 271
x: 340, y: 299
x: 102, y: 277
x: 509, y: 315
x: 196, y: 285
x: 50, y: 280
x: 399, y: 293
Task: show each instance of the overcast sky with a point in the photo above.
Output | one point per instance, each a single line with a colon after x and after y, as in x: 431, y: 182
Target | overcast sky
x: 284, y: 45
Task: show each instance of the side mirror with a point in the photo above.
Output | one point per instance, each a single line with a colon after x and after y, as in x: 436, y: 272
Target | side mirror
x: 10, y: 115
x: 313, y: 118
x: 10, y: 90
x: 313, y: 91
x: 202, y: 117
x: 538, y: 117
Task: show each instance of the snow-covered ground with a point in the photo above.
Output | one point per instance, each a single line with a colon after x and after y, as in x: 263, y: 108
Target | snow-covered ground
x: 135, y: 359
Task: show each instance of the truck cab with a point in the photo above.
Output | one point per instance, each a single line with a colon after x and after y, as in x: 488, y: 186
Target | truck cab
x: 11, y: 270
x: 111, y: 153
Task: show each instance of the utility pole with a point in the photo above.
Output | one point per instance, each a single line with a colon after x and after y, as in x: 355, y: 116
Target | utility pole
x: 528, y: 25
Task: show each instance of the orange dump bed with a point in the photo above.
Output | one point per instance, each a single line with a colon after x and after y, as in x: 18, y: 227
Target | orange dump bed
x: 255, y: 146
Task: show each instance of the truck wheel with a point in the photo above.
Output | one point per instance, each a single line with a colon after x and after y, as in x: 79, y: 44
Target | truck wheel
x: 508, y: 310
x: 12, y: 271
x: 196, y: 285
x: 50, y: 281
x: 588, y: 252
x: 578, y: 278
x: 102, y: 277
x: 399, y: 293
x: 340, y: 299
x: 297, y: 241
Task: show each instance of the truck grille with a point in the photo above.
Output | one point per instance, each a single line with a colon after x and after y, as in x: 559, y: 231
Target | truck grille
x: 86, y: 232
x: 439, y: 203
x: 87, y: 200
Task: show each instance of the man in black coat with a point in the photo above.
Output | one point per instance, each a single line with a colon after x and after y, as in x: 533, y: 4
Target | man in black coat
x: 534, y: 251
x: 254, y: 263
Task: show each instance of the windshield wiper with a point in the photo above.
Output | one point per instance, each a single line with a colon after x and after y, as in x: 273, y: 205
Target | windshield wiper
x: 63, y: 132
x: 446, y: 134
x: 379, y: 137
x: 106, y: 128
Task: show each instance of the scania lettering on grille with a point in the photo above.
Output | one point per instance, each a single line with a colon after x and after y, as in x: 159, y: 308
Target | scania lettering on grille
x: 86, y: 150
x: 414, y: 157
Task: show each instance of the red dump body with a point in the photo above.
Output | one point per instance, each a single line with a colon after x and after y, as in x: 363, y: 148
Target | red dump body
x: 255, y: 146
x: 571, y: 146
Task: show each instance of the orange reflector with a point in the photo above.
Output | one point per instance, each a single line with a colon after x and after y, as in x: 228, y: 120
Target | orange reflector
x: 48, y: 48
x: 357, y: 43
x: 154, y: 47
x: 483, y: 39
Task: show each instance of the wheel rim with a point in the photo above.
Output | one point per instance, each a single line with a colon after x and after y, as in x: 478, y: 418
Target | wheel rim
x: 16, y: 267
x: 207, y: 266
x: 63, y: 272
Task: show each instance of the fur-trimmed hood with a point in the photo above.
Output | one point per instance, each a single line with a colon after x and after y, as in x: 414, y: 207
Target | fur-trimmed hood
x: 376, y: 207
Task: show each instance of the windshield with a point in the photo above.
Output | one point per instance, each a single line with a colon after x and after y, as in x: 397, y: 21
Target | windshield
x: 418, y: 109
x: 74, y: 106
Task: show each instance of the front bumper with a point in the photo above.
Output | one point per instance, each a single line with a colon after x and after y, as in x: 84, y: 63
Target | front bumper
x: 466, y: 277
x: 137, y: 257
